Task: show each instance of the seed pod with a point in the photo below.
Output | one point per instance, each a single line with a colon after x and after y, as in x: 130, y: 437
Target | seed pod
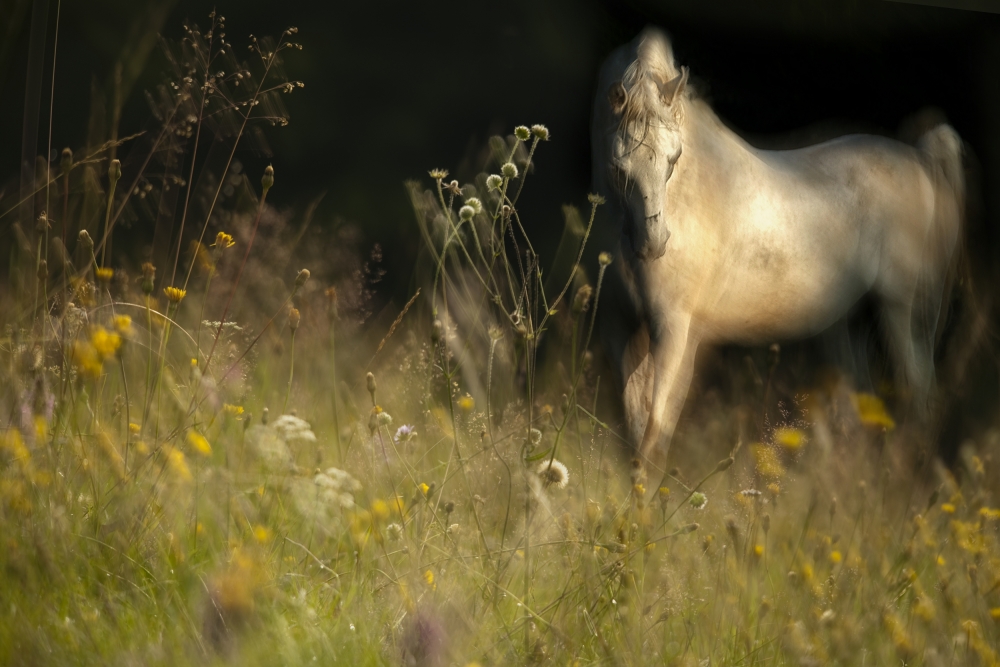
x: 268, y: 179
x: 114, y: 171
x: 371, y: 386
x: 66, y: 162
x: 294, y: 317
x: 301, y: 279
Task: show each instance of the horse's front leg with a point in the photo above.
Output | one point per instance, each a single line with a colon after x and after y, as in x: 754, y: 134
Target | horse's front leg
x: 672, y: 352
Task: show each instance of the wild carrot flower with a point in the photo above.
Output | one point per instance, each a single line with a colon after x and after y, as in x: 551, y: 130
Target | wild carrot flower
x: 404, y: 434
x: 394, y: 532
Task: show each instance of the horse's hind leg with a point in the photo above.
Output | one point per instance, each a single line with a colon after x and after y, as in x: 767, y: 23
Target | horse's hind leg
x: 911, y: 343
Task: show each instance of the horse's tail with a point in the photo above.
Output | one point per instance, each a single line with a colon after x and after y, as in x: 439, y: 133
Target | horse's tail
x: 944, y: 147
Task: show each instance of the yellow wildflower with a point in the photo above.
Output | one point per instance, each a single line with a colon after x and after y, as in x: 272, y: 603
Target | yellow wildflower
x: 924, y: 609
x: 872, y: 412
x: 947, y: 508
x: 758, y: 550
x: 989, y: 514
x: 429, y: 578
x: 123, y: 324
x: 995, y: 613
x: 262, y: 534
x: 223, y: 240
x: 174, y: 294
x: 104, y: 274
x: 234, y: 410
x: 199, y: 443
x: 380, y: 510
x: 836, y: 557
x: 424, y: 489
x: 791, y: 439
x: 466, y: 404
x: 178, y: 464
x: 104, y: 342
x: 767, y: 461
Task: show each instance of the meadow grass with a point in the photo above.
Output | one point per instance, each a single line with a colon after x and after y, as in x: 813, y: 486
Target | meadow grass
x: 273, y: 487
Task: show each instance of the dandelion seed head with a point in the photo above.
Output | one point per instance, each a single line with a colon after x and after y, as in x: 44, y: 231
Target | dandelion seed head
x: 553, y: 473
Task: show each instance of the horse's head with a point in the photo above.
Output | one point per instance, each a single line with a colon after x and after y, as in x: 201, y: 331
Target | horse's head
x: 643, y: 135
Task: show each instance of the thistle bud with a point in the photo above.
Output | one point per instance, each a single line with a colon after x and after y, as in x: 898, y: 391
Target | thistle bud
x: 522, y: 133
x: 509, y: 170
x: 604, y: 258
x: 540, y: 131
x: 148, y: 277
x: 466, y: 212
x: 294, y: 317
x: 268, y: 179
x: 505, y: 211
x: 66, y: 162
x: 114, y: 172
x: 85, y: 241
x: 724, y: 464
x: 494, y: 182
x: 371, y: 386
x: 595, y: 199
x: 43, y: 270
x: 301, y: 279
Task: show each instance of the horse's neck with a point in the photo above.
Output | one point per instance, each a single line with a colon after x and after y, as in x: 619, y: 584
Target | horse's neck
x: 709, y: 141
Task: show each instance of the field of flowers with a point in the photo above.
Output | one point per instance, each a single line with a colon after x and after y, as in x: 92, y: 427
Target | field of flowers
x: 224, y: 459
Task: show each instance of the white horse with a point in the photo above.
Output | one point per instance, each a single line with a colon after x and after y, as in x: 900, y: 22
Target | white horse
x: 724, y: 242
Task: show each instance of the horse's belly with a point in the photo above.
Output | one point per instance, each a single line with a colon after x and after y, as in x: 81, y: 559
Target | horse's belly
x: 755, y: 309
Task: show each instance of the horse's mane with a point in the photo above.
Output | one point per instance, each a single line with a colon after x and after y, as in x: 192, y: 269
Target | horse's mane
x: 653, y: 63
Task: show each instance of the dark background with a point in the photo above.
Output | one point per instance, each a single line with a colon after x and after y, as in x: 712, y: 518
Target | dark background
x: 393, y: 89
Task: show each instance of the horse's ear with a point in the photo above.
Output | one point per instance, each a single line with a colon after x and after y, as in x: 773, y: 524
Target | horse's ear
x: 669, y: 90
x: 617, y: 97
